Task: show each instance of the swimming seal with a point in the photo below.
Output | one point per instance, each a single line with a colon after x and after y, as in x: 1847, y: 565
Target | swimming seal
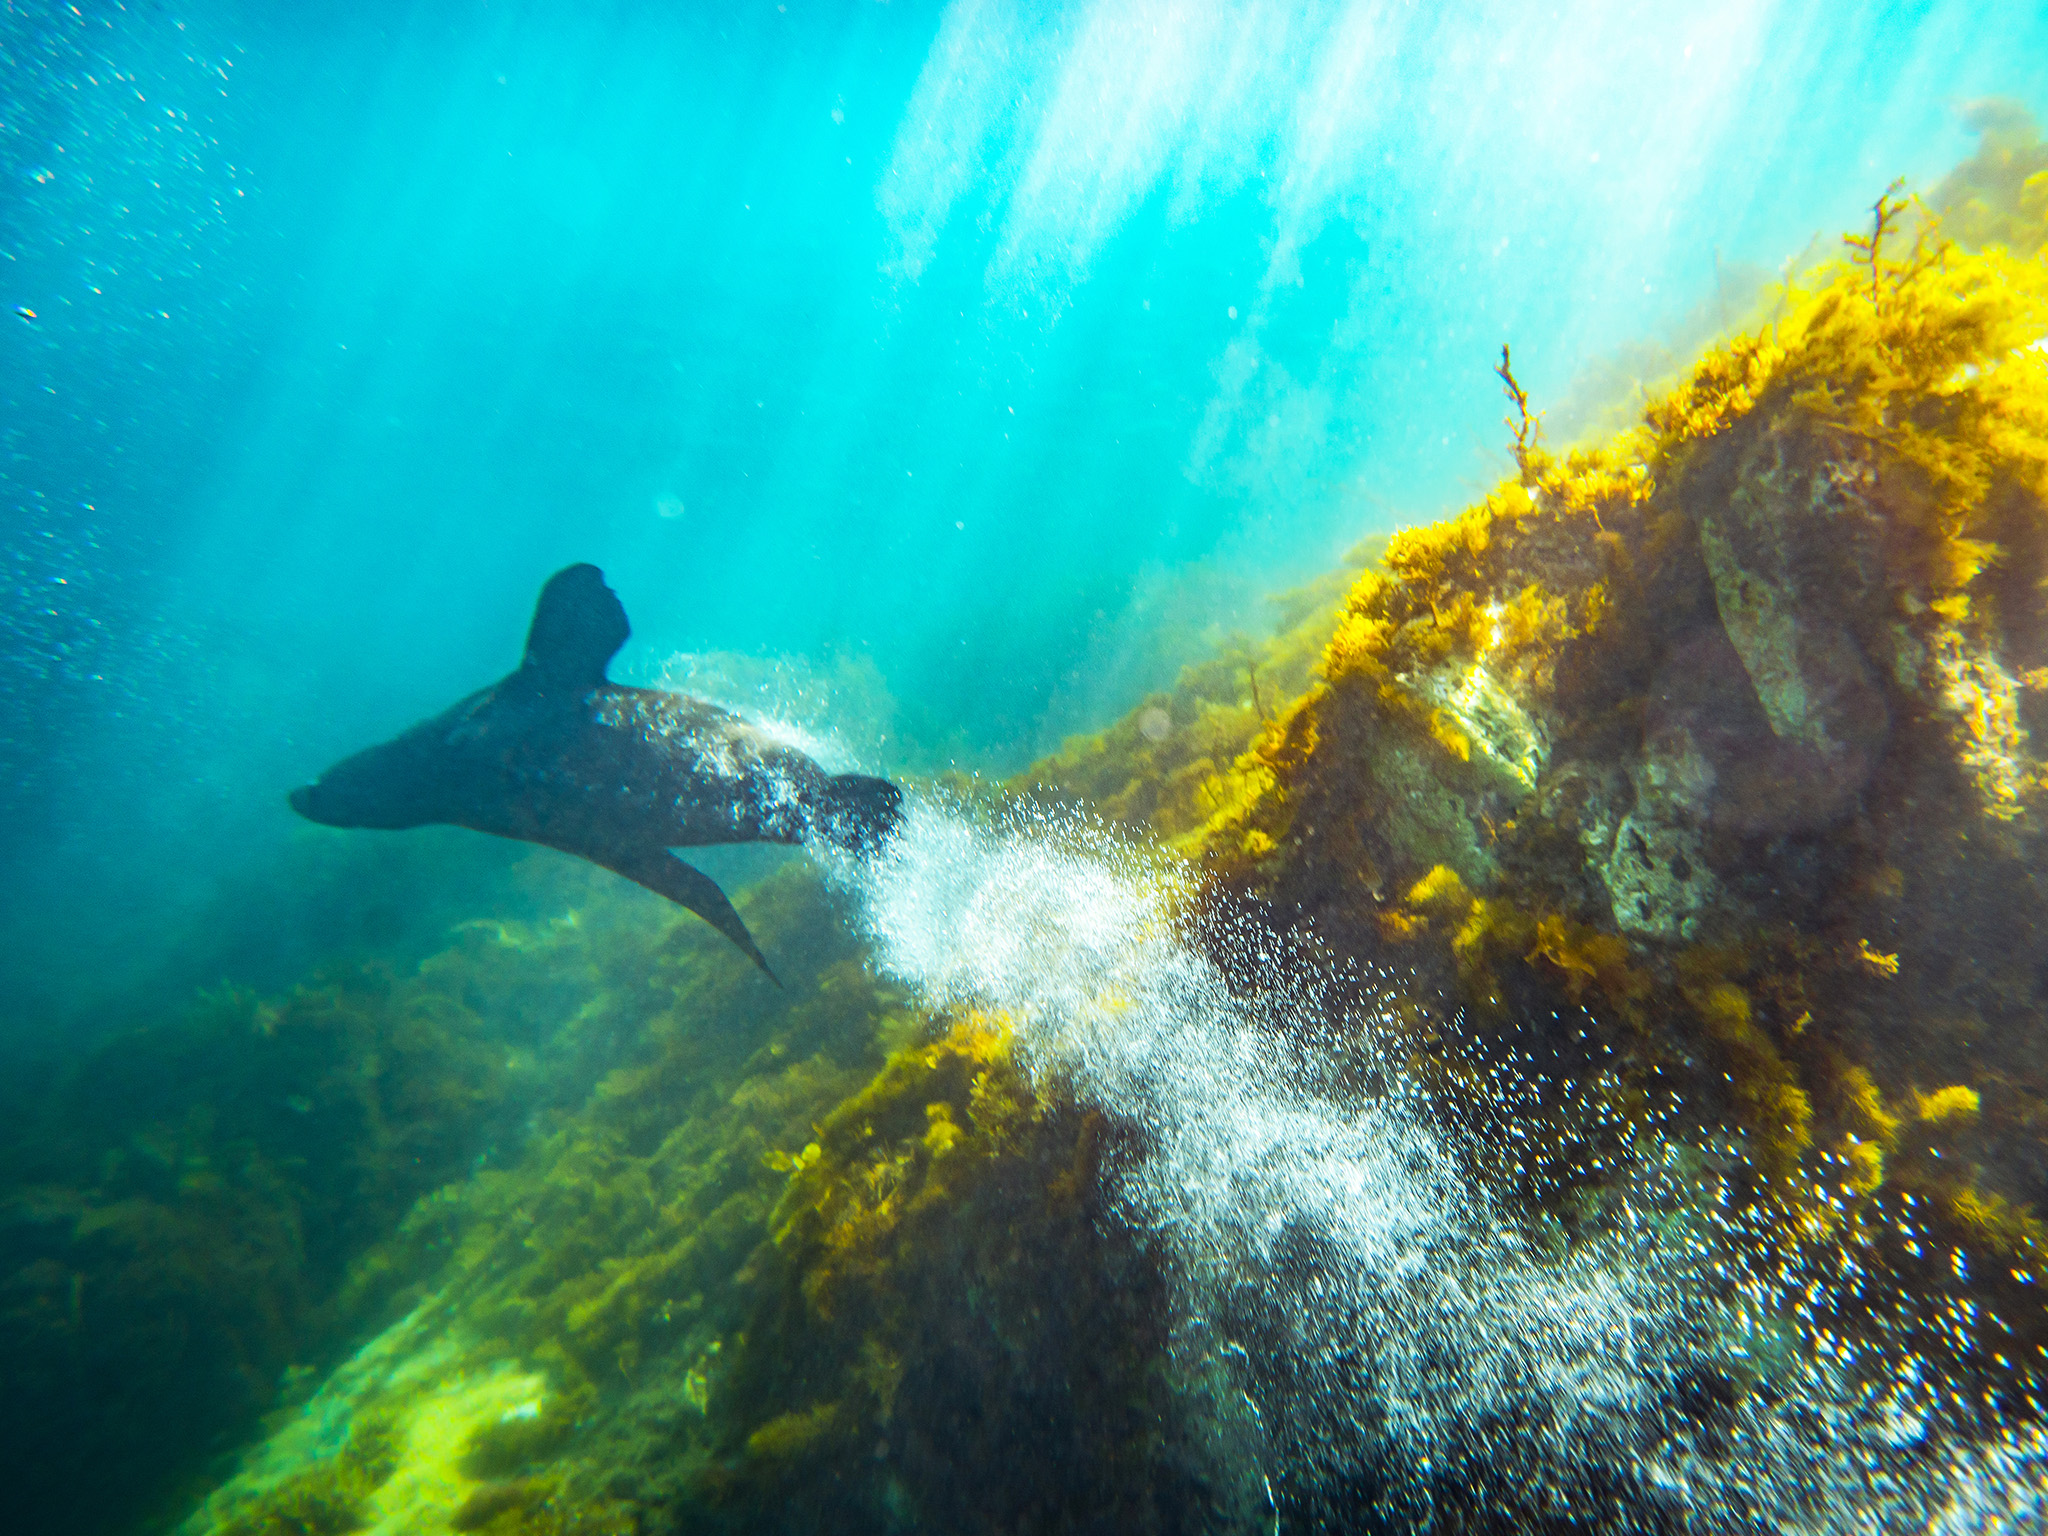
x: 557, y: 755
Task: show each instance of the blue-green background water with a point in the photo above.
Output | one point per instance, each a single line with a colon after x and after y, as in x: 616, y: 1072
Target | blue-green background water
x: 977, y: 357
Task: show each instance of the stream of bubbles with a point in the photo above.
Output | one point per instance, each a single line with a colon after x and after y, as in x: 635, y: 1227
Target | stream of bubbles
x: 1388, y: 1335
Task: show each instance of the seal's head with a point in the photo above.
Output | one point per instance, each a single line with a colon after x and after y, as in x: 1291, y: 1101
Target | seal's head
x: 390, y: 787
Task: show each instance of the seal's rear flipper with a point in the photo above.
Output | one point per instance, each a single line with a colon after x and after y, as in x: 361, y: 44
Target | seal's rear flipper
x: 856, y: 812
x: 666, y: 875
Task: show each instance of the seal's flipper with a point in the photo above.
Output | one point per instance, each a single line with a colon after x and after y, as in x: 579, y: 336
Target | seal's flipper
x: 666, y: 875
x: 856, y: 812
x: 578, y: 626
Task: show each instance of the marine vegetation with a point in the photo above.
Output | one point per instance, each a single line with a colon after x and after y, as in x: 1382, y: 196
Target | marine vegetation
x: 1999, y: 196
x: 783, y: 1270
x: 186, y: 1209
x: 574, y: 1297
x: 1702, y: 773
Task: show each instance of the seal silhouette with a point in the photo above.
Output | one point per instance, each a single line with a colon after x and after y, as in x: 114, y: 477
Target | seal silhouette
x: 558, y: 755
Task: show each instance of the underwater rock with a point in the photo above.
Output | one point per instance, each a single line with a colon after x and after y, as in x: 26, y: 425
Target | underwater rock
x: 1700, y: 778
x: 948, y: 1335
x: 1724, y: 741
x: 1653, y: 862
x: 1790, y: 550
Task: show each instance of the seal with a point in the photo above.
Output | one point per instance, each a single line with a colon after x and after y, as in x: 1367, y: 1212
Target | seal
x: 558, y: 755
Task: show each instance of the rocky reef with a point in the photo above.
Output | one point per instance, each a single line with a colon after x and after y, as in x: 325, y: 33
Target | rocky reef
x: 1702, y: 773
x: 785, y: 1269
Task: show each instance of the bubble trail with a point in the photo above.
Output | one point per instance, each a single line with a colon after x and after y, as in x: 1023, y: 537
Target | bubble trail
x: 1394, y: 1346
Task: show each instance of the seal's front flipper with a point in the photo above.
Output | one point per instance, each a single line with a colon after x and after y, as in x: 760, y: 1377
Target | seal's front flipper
x: 666, y: 875
x: 578, y: 626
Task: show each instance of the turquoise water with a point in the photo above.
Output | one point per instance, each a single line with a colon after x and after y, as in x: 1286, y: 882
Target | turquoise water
x: 936, y: 379
x: 986, y: 356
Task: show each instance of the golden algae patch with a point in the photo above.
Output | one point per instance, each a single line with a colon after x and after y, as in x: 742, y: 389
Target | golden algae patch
x: 433, y: 1435
x: 381, y: 1446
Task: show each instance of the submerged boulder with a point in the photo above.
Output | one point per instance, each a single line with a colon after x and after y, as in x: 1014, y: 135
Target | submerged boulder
x: 1723, y: 746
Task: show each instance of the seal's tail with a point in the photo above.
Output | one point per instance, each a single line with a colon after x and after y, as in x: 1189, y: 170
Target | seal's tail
x: 857, y: 812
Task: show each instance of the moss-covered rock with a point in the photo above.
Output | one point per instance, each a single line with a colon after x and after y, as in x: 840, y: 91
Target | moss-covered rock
x: 948, y: 1337
x: 1720, y: 748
